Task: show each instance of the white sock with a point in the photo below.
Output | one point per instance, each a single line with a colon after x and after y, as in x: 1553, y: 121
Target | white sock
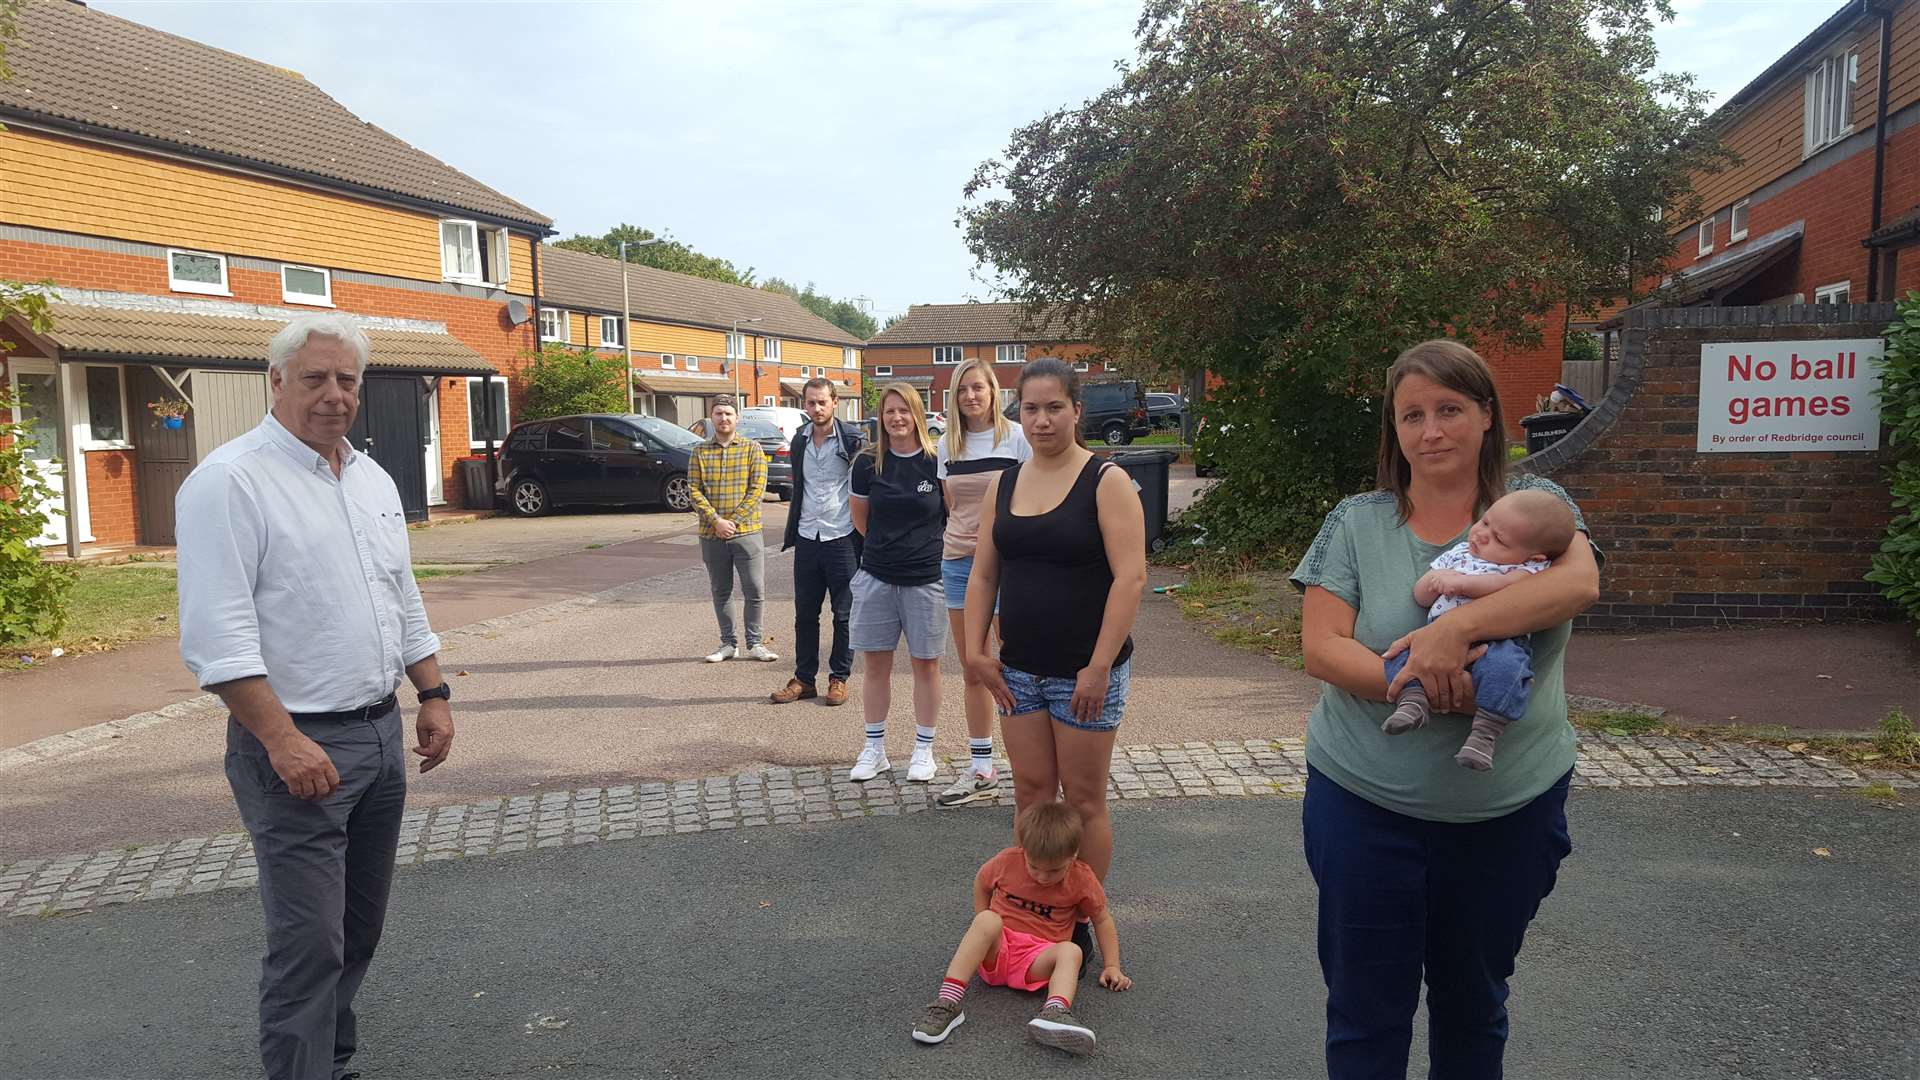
x: 922, y: 738
x: 877, y: 736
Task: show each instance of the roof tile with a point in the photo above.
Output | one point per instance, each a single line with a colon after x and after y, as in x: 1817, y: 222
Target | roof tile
x: 975, y: 324
x: 573, y: 279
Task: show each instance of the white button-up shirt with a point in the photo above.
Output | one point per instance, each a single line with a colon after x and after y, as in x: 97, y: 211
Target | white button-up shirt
x: 289, y: 572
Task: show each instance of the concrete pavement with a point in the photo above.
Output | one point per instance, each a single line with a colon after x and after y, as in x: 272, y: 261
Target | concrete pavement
x: 1694, y: 935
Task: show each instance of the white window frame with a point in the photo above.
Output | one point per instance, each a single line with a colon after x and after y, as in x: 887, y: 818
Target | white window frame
x: 502, y: 241
x: 454, y: 272
x: 666, y: 361
x: 736, y: 346
x: 849, y: 357
x: 947, y: 354
x: 693, y: 362
x: 1840, y: 292
x: 1826, y: 113
x: 770, y: 348
x: 566, y: 324
x: 325, y: 299
x: 86, y: 410
x: 1007, y: 397
x: 1009, y: 354
x: 1080, y: 365
x: 1703, y: 233
x: 604, y: 342
x: 767, y: 401
x: 204, y: 288
x: 882, y: 371
x: 946, y: 401
x: 506, y: 412
x: 1738, y: 219
x: 497, y: 239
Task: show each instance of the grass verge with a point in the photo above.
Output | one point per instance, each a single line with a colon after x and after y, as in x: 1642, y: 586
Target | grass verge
x: 1893, y: 746
x: 1247, y: 607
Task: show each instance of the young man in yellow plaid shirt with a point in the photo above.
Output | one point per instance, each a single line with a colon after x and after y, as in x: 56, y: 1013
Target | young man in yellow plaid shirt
x: 728, y: 476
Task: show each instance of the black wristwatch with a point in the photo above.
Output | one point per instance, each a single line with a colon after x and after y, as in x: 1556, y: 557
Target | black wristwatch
x: 443, y: 692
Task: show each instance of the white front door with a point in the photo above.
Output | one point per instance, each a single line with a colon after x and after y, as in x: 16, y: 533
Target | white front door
x: 436, y: 493
x: 36, y: 393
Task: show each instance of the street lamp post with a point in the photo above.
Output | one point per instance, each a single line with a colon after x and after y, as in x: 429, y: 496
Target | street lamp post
x: 626, y: 314
x: 731, y: 338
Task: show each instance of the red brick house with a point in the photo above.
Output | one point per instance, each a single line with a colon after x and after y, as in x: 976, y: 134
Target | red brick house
x: 923, y: 347
x: 182, y: 230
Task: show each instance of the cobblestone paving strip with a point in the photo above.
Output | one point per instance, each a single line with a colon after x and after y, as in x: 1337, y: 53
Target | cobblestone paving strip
x: 792, y: 796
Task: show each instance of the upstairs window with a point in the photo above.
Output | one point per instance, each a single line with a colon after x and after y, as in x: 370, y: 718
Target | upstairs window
x: 1828, y: 107
x: 946, y: 354
x: 882, y: 372
x: 610, y: 334
x: 849, y: 358
x: 1009, y: 354
x: 1739, y: 221
x: 736, y: 346
x: 473, y: 254
x: 1706, y: 236
x: 197, y: 272
x: 666, y: 361
x: 553, y: 324
x: 693, y: 362
x: 770, y: 349
x: 306, y: 285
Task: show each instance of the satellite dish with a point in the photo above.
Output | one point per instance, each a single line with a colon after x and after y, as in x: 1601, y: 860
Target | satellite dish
x: 517, y: 311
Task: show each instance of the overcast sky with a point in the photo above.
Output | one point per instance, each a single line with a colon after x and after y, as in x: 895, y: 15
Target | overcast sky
x: 814, y: 140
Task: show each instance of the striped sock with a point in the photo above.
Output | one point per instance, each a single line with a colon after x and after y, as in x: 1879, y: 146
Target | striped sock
x: 877, y: 735
x: 982, y: 755
x: 1056, y: 999
x: 952, y: 990
x: 922, y: 737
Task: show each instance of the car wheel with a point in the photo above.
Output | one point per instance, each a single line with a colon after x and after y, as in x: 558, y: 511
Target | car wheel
x: 530, y: 498
x: 679, y: 493
x: 1116, y: 434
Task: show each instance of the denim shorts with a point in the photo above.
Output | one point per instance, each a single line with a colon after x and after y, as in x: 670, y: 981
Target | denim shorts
x: 883, y: 614
x: 1032, y: 693
x: 954, y: 575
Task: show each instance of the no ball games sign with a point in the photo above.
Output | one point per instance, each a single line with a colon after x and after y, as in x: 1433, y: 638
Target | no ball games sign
x: 1782, y: 396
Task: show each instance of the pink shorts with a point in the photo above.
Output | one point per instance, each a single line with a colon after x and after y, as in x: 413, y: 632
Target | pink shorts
x: 1018, y: 951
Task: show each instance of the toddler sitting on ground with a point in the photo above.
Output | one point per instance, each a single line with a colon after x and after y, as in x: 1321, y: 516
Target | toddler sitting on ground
x: 1520, y: 534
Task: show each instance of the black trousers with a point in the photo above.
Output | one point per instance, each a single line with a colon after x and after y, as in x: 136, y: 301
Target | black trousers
x: 822, y: 569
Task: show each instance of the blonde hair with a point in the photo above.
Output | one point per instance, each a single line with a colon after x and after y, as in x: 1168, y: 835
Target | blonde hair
x: 883, y: 443
x: 1048, y: 831
x: 957, y: 423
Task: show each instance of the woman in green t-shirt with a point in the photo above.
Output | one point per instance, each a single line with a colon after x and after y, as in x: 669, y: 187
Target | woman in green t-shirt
x: 1425, y: 868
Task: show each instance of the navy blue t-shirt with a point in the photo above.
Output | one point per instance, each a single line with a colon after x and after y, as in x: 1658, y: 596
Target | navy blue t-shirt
x: 905, y: 518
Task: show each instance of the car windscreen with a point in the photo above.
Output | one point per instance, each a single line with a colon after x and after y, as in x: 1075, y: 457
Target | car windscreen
x: 758, y: 430
x: 664, y: 432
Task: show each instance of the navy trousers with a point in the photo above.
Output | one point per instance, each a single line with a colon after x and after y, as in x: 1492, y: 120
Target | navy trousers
x: 1402, y: 898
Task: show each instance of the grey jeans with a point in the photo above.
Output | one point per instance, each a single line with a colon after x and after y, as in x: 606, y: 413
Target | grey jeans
x: 746, y: 554
x: 325, y: 870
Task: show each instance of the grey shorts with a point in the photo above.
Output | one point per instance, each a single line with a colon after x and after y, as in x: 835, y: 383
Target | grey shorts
x: 883, y: 612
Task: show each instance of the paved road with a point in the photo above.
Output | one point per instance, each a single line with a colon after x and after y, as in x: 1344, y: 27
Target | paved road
x: 1694, y: 936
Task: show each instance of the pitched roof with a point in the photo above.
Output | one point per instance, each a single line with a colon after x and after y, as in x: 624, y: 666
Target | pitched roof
x: 972, y: 324
x: 573, y: 279
x: 149, y: 335
x: 87, y: 71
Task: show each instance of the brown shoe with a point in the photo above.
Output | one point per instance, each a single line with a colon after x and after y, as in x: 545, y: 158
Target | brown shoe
x: 794, y: 691
x: 836, y: 692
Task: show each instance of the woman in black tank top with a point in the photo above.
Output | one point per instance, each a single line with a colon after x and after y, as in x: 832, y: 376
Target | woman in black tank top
x: 1063, y: 546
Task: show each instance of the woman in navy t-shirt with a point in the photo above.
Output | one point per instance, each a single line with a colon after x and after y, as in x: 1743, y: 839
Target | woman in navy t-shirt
x: 898, y: 508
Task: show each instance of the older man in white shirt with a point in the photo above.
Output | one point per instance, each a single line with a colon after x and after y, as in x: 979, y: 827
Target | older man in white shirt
x: 298, y: 607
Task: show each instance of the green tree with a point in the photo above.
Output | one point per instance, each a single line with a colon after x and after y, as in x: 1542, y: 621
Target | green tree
x: 563, y: 380
x: 1288, y: 193
x: 670, y: 255
x: 844, y: 314
x: 1896, y: 567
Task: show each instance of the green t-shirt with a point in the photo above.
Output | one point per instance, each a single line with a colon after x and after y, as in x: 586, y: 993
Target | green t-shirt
x: 1368, y: 558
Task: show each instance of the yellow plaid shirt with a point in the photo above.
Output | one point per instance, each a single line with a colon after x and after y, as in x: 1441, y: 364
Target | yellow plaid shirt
x: 728, y: 481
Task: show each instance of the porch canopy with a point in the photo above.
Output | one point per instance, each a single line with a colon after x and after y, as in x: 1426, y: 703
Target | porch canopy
x: 1708, y: 283
x: 667, y: 382
x: 145, y: 335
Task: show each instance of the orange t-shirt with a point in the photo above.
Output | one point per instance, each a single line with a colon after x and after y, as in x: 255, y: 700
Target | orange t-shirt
x: 1045, y: 911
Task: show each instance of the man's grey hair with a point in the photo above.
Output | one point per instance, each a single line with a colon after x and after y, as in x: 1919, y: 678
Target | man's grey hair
x: 293, y: 337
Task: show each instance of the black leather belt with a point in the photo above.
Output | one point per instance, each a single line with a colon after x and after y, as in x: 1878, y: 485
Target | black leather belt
x: 366, y: 712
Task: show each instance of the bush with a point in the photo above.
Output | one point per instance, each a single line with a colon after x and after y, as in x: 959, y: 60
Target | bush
x: 1897, y: 566
x: 33, y: 592
x: 563, y: 381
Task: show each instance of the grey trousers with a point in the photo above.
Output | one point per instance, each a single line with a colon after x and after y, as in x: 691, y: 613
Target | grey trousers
x: 325, y: 870
x: 748, y: 555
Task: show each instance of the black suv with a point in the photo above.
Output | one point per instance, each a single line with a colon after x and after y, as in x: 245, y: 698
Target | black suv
x: 1115, y: 412
x: 602, y: 459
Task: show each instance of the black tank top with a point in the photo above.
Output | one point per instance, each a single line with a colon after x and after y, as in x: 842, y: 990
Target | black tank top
x: 1054, y: 578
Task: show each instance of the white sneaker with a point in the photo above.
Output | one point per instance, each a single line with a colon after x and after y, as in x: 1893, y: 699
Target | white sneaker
x: 873, y: 761
x: 725, y: 652
x: 759, y: 652
x: 922, y: 767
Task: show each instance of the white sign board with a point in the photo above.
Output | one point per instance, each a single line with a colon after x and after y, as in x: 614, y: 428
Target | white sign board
x: 1759, y: 397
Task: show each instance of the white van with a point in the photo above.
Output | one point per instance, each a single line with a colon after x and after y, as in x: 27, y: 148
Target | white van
x: 789, y: 419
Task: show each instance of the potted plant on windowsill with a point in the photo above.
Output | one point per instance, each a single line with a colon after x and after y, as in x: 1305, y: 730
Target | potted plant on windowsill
x: 171, y: 411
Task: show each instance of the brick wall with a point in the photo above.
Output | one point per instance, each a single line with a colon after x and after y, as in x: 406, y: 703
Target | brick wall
x: 1523, y: 374
x: 1712, y: 539
x: 111, y: 504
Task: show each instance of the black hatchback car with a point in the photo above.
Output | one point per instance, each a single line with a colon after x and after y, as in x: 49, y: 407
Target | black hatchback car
x: 600, y: 459
x: 1113, y: 412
